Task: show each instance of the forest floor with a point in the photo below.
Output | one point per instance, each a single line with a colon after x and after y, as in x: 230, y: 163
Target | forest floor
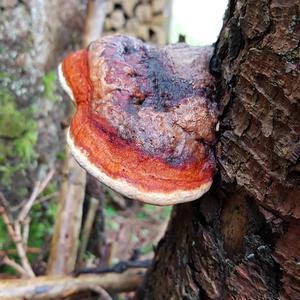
x: 139, y: 227
x: 130, y: 227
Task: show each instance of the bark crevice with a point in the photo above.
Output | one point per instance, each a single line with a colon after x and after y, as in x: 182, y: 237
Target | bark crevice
x: 243, y: 237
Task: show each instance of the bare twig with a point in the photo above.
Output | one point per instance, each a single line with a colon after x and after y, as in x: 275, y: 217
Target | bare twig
x: 31, y: 250
x: 87, y: 228
x: 14, y: 232
x: 38, y: 189
x: 7, y: 222
x: 21, y: 250
x: 11, y: 263
x: 46, y: 197
x: 25, y: 231
x: 4, y: 202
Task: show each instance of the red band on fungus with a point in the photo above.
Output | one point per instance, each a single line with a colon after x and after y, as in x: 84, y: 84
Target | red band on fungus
x: 145, y: 118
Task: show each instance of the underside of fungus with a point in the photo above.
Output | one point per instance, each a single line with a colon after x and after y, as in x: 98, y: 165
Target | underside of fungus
x: 145, y: 120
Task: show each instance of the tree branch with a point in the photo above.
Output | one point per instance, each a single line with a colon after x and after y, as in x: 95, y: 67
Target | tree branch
x: 47, y: 287
x: 14, y: 265
x: 37, y: 190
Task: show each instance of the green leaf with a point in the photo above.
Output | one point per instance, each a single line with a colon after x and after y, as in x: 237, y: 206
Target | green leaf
x: 109, y: 212
x: 141, y: 215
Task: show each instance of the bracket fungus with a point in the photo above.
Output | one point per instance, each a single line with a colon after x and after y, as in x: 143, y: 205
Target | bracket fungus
x: 146, y: 117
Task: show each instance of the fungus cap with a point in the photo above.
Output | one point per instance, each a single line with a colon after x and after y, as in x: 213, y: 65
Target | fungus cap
x: 145, y: 117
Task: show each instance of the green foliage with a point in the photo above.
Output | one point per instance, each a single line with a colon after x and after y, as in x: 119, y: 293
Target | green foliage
x: 18, y: 136
x: 11, y: 121
x: 4, y: 241
x: 60, y: 155
x: 50, y: 189
x: 160, y: 214
x: 109, y: 212
x: 88, y: 256
x: 146, y: 249
x: 24, y: 144
x: 3, y: 74
x: 42, y: 220
x: 48, y: 81
x: 150, y: 209
x: 111, y: 224
x: 141, y: 215
x: 166, y: 212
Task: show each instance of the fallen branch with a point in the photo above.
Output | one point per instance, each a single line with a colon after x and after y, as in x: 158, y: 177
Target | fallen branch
x: 119, y: 267
x: 50, y: 287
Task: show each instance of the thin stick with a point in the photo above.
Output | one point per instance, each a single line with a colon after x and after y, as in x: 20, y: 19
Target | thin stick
x: 8, y: 224
x: 87, y: 228
x: 11, y: 263
x: 14, y: 232
x: 25, y: 232
x: 22, y: 252
x: 46, y: 197
x: 119, y: 267
x: 4, y: 202
x: 31, y: 250
x: 64, y: 243
x: 37, y: 190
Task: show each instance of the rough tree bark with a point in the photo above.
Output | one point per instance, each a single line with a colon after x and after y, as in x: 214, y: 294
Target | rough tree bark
x: 241, y: 241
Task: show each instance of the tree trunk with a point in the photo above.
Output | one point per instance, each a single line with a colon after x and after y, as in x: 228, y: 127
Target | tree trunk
x: 242, y: 239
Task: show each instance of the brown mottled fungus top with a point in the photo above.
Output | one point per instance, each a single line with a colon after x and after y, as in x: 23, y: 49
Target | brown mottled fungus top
x: 145, y: 119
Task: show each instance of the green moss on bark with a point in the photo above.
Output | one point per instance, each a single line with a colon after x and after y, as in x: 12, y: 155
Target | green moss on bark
x: 18, y: 135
